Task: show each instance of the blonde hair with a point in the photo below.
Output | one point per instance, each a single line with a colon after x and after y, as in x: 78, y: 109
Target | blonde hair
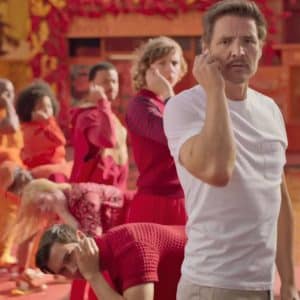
x: 29, y: 219
x: 150, y: 52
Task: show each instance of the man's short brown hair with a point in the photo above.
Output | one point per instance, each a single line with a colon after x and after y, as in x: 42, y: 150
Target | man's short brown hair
x: 58, y: 233
x: 239, y: 8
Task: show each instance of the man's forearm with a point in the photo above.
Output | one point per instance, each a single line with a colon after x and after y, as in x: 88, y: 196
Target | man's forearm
x: 284, y: 257
x: 102, y: 289
x: 212, y: 151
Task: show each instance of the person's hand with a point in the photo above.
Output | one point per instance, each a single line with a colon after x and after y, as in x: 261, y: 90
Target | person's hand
x: 289, y: 292
x: 39, y: 115
x: 158, y: 84
x: 87, y: 256
x: 207, y: 72
x: 96, y: 93
x: 6, y: 98
x: 21, y: 178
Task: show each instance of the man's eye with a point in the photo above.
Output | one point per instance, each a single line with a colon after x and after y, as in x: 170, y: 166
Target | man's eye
x: 249, y: 41
x: 225, y: 42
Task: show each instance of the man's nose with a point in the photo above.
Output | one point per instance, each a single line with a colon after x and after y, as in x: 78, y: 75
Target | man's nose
x: 237, y: 49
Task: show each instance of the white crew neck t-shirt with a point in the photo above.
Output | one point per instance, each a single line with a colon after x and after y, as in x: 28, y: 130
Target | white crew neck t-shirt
x: 232, y: 230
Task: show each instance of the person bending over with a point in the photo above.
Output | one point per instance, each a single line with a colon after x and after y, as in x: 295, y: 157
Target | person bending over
x: 143, y: 260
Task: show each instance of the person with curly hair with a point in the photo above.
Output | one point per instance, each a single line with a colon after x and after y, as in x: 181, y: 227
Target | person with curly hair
x: 44, y: 142
x: 158, y: 67
x: 93, y: 208
x: 90, y: 207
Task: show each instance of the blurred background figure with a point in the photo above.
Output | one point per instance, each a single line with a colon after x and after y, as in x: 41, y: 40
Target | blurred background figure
x: 13, y: 179
x: 44, y: 142
x: 11, y: 140
x: 98, y: 137
x: 158, y: 66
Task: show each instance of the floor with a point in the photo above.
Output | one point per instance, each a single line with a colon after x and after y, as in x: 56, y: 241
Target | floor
x: 58, y: 291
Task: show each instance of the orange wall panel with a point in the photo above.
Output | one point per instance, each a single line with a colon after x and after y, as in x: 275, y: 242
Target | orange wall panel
x: 188, y: 24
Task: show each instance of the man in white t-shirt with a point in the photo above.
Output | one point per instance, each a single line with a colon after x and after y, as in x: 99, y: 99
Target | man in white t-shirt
x: 229, y: 143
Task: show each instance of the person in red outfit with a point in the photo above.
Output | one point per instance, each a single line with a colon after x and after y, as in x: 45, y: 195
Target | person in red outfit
x: 158, y: 67
x: 44, y: 142
x: 142, y: 259
x: 92, y: 208
x: 98, y: 137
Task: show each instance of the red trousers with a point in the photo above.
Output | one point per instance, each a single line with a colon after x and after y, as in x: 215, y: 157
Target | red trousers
x: 157, y: 209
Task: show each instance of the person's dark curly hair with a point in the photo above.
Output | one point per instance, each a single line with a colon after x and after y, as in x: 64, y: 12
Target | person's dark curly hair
x: 28, y: 98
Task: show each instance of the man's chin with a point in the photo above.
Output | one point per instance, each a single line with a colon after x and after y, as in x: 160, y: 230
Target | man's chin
x: 238, y: 79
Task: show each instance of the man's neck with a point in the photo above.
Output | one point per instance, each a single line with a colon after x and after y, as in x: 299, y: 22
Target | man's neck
x: 236, y: 92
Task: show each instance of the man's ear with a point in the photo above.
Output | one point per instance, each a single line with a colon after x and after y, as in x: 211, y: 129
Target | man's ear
x: 80, y: 235
x: 261, y: 48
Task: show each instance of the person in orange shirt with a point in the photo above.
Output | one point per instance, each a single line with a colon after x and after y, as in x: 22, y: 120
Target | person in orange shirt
x: 22, y: 267
x: 11, y: 140
x: 44, y: 142
x: 13, y: 174
x: 13, y: 179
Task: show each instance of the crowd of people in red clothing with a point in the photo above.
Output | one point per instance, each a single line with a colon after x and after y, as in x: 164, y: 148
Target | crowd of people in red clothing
x: 215, y: 152
x: 89, y: 191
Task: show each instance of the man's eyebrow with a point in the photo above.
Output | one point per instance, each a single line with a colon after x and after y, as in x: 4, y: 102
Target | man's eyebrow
x: 252, y: 36
x: 232, y: 36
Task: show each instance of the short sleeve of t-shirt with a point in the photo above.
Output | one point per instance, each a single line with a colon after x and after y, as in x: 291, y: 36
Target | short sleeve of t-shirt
x: 137, y: 264
x: 184, y: 117
x: 280, y: 120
